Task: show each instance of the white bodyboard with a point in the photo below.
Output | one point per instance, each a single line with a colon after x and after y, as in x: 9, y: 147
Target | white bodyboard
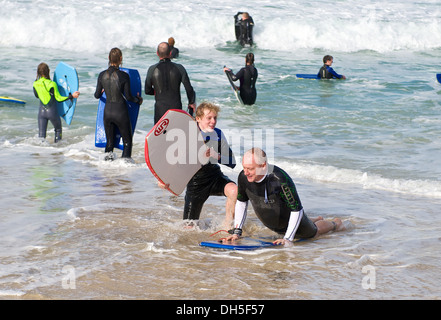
x: 175, y: 150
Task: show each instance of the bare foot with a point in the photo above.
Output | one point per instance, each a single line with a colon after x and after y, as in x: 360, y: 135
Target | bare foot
x: 189, y: 225
x: 339, y: 226
x: 316, y: 219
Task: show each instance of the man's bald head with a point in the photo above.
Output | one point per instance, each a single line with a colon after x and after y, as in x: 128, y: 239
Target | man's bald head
x: 163, y: 50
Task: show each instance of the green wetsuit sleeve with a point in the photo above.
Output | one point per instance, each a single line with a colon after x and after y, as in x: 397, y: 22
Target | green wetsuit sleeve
x: 56, y: 93
x: 44, y: 89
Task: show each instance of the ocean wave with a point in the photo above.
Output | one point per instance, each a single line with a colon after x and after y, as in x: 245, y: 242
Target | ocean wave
x: 350, y: 36
x: 96, y: 26
x: 330, y: 174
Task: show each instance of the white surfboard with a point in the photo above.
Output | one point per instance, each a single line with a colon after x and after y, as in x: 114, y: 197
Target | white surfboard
x: 175, y: 150
x: 235, y: 88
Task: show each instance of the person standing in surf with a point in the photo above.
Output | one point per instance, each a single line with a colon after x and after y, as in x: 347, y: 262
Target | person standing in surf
x: 248, y: 77
x: 116, y: 85
x: 244, y: 28
x: 164, y: 80
x: 326, y: 72
x: 275, y: 201
x: 174, y: 52
x: 47, y: 92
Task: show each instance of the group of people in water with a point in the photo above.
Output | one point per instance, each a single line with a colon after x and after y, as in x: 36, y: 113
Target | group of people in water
x: 269, y: 188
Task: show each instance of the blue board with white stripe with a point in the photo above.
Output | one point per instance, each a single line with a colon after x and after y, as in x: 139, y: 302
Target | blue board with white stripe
x: 66, y: 78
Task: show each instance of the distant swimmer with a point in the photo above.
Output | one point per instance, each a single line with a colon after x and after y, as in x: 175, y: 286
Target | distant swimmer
x: 248, y: 77
x: 275, y: 201
x: 326, y: 72
x: 244, y: 28
x: 47, y: 91
x: 174, y: 52
x: 164, y: 80
x: 116, y: 85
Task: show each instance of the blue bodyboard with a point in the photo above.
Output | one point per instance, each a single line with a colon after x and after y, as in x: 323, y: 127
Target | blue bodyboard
x: 135, y: 89
x: 66, y: 78
x: 438, y: 77
x: 307, y: 76
x: 241, y: 244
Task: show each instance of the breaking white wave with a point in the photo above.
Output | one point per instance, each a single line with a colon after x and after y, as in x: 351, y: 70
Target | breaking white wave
x: 346, y: 26
x: 330, y: 174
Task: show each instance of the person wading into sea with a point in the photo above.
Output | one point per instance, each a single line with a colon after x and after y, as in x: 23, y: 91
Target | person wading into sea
x: 164, y: 80
x: 47, y: 91
x: 247, y: 77
x: 116, y: 84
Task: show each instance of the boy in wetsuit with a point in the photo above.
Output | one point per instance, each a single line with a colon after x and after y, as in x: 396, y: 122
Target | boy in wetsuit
x: 209, y: 180
x: 275, y: 201
x: 116, y: 84
x: 326, y: 72
x: 47, y: 91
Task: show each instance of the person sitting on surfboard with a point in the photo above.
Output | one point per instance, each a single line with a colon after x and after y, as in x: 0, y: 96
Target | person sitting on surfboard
x: 116, y: 85
x: 244, y: 28
x: 164, y: 80
x: 47, y: 91
x: 209, y: 180
x: 275, y: 201
x: 326, y: 72
x: 248, y: 77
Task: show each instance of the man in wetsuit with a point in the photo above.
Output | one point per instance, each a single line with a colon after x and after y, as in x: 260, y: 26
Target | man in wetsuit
x: 247, y: 77
x: 164, y: 82
x: 116, y: 84
x: 244, y: 28
x: 47, y: 91
x: 326, y: 72
x: 275, y: 201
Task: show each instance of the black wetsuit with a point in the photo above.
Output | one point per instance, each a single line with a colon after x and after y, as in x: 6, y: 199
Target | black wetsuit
x: 209, y: 180
x: 47, y: 92
x: 273, y: 200
x: 49, y: 113
x: 116, y: 85
x: 248, y: 77
x: 326, y: 72
x: 164, y: 82
x: 174, y: 52
x: 244, y: 30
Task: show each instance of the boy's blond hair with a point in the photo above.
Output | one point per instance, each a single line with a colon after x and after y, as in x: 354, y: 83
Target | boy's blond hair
x: 206, y: 106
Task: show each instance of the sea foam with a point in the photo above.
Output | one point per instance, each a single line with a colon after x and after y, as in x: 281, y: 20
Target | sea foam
x: 96, y: 26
